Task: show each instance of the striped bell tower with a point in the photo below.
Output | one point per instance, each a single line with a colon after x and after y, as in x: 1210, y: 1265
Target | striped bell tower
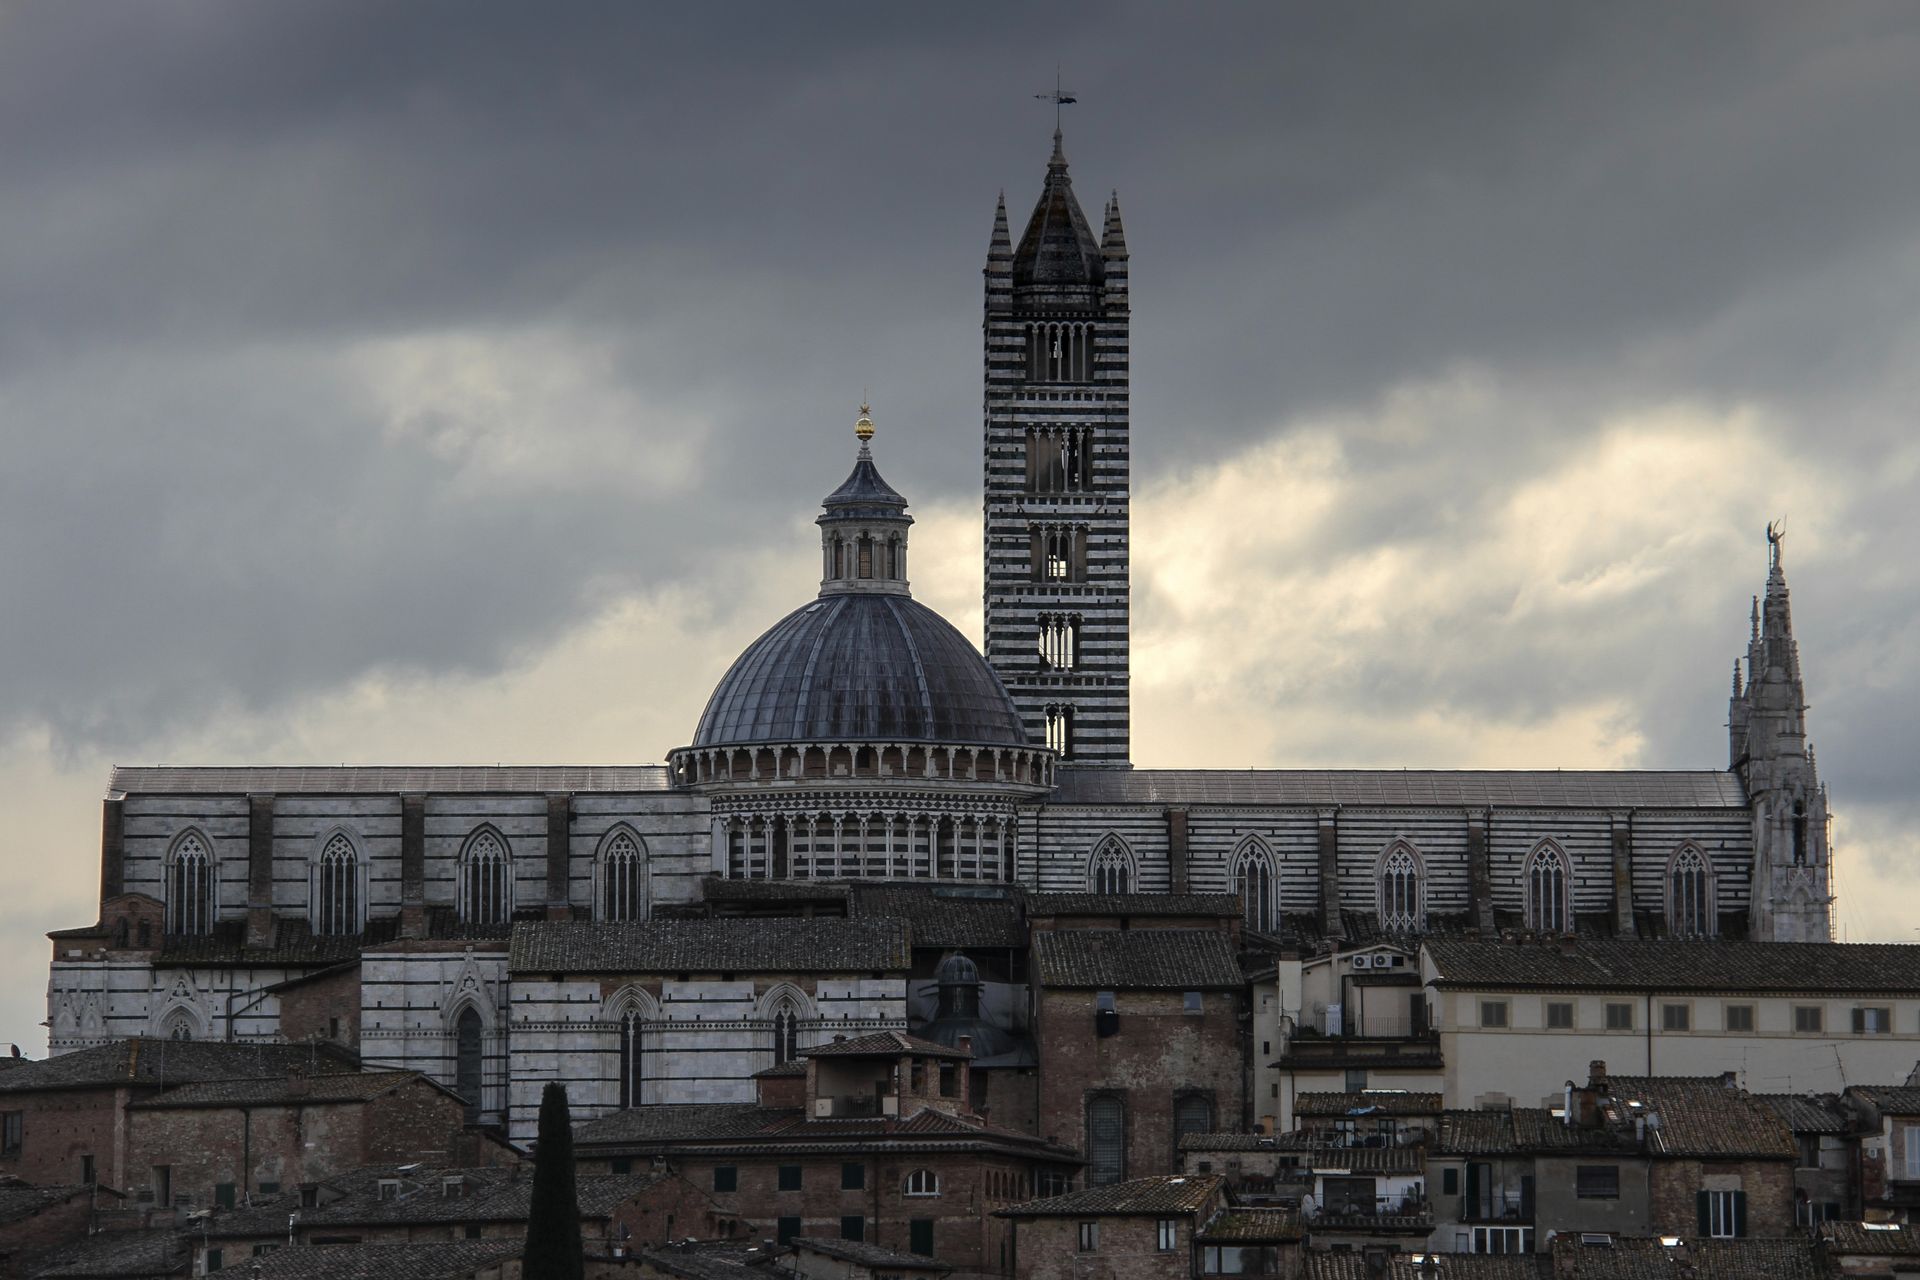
x: 1058, y: 472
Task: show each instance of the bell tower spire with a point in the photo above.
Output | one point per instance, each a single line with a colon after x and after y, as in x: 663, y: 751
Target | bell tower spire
x: 1058, y: 470
x: 1767, y: 742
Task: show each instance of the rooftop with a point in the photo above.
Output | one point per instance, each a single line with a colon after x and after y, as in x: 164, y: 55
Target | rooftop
x: 157, y: 1252
x: 718, y: 1260
x: 440, y: 1260
x: 1251, y: 1225
x: 1450, y: 788
x: 160, y: 1063
x: 1369, y: 1102
x: 1688, y: 1258
x: 1878, y: 1239
x: 1169, y: 1193
x: 1114, y: 959
x: 382, y: 779
x: 707, y: 946
x: 869, y: 1255
x: 1661, y: 966
x: 743, y: 1128
x: 891, y: 1044
x: 286, y: 1090
x: 1421, y: 1266
x: 1133, y: 904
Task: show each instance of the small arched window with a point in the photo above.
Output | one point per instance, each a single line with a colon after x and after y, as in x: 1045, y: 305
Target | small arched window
x: 1192, y: 1113
x: 922, y: 1182
x: 623, y: 881
x: 1691, y: 910
x: 1060, y: 731
x: 190, y: 886
x: 866, y: 556
x: 1110, y: 869
x: 630, y: 1059
x: 1547, y: 890
x: 786, y: 1032
x: 467, y: 1061
x: 485, y: 879
x: 1255, y: 878
x: 337, y: 896
x: 1401, y: 907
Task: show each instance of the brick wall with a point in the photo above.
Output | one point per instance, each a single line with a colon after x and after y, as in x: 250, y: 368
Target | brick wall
x: 325, y: 1008
x: 1159, y: 1051
x: 1127, y: 1249
x: 1675, y: 1184
x: 965, y: 1234
x: 58, y: 1129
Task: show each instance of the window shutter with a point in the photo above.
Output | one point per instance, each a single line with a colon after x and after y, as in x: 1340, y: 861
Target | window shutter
x: 1740, y: 1214
x: 1473, y: 1188
x: 1859, y: 1021
x: 1700, y: 1202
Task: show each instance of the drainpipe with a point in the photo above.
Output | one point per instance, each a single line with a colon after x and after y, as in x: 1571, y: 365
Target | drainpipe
x: 1649, y: 1034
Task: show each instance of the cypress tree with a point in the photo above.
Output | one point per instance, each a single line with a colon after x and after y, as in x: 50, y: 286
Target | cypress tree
x: 554, y: 1249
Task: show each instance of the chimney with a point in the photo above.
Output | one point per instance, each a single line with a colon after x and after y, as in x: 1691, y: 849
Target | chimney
x: 298, y: 1085
x: 1729, y: 1080
x: 1597, y: 1075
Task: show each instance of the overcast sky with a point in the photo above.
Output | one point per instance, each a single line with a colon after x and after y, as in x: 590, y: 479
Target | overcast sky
x: 456, y: 382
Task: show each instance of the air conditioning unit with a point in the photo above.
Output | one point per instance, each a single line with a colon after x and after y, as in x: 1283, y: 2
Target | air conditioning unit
x: 1363, y: 962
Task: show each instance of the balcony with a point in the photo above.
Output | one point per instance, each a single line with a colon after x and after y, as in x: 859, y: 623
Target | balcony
x: 1385, y: 1215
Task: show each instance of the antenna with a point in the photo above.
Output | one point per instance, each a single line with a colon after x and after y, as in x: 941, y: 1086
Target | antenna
x: 1059, y: 98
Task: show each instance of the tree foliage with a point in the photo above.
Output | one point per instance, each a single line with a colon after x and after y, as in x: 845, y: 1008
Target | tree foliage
x: 554, y: 1249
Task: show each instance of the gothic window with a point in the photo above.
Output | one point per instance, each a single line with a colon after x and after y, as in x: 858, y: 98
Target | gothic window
x: 623, y: 879
x: 1060, y: 730
x: 1192, y: 1113
x: 786, y: 1032
x: 1401, y: 906
x: 1547, y: 890
x: 1255, y: 879
x: 190, y: 886
x: 485, y: 879
x: 630, y: 1059
x: 179, y: 1025
x: 467, y: 1060
x: 1059, y: 554
x: 337, y: 887
x: 1691, y: 910
x: 1106, y: 1141
x: 1110, y: 869
x: 1799, y: 833
x: 1060, y: 641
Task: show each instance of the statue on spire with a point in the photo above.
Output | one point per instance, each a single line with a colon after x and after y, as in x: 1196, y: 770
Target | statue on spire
x: 1776, y: 534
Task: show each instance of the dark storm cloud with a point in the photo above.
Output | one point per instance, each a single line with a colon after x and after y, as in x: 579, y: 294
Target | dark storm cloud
x: 213, y: 210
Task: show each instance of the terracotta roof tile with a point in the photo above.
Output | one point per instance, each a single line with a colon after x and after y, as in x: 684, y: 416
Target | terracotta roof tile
x: 882, y: 1043
x: 706, y: 946
x: 1642, y: 965
x: 1135, y: 959
x: 1379, y: 1102
x: 1647, y: 1258
x: 1133, y: 904
x: 1169, y: 1193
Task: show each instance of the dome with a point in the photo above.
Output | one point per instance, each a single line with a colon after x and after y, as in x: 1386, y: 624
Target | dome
x: 861, y: 667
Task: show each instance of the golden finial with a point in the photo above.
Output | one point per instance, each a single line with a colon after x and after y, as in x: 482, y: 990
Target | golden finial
x: 864, y: 427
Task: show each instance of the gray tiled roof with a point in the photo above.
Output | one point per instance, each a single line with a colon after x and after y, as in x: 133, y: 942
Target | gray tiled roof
x: 947, y: 916
x: 1133, y: 904
x: 1633, y: 965
x: 1115, y: 959
x: 719, y: 1260
x: 741, y: 1128
x: 158, y: 1062
x: 1703, y: 1117
x: 1251, y: 1224
x: 1443, y: 1266
x: 157, y: 1252
x: 440, y: 1260
x: 1807, y: 1113
x: 869, y: 1255
x: 1168, y: 1193
x: 887, y: 1043
x: 1384, y: 1102
x: 1890, y: 1099
x: 689, y: 1121
x: 286, y: 1090
x: 383, y: 779
x: 1466, y: 788
x: 706, y: 946
x: 18, y: 1200
x: 1693, y: 1258
x: 1882, y: 1239
x: 1474, y: 1133
x: 492, y: 1194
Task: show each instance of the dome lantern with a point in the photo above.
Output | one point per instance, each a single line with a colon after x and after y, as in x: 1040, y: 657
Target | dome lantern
x: 863, y: 528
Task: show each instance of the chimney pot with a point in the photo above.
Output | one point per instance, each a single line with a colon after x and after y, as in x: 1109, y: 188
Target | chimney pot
x: 1597, y: 1074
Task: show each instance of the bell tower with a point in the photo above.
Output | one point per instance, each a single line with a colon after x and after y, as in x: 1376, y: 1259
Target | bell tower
x: 1058, y: 472
x: 1768, y: 747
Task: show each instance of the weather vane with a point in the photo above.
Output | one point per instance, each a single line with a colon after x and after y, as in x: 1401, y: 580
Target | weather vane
x: 1059, y: 98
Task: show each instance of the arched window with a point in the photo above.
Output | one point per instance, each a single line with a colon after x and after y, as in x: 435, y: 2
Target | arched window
x: 1799, y: 833
x: 467, y: 1060
x: 1192, y: 1113
x: 1691, y: 910
x: 1255, y: 879
x: 866, y: 556
x: 630, y: 1059
x: 1547, y: 890
x: 337, y: 888
x: 1402, y: 910
x: 1110, y: 869
x: 1106, y: 1141
x: 190, y: 885
x: 179, y: 1025
x: 623, y: 879
x: 1060, y: 730
x: 786, y: 1031
x: 922, y: 1182
x: 1060, y: 640
x: 486, y: 895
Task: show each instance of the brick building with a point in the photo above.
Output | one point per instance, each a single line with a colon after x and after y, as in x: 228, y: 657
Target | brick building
x: 1140, y: 1038
x: 63, y: 1120
x: 1140, y: 1229
x: 874, y: 1141
x: 1889, y: 1147
x: 35, y: 1219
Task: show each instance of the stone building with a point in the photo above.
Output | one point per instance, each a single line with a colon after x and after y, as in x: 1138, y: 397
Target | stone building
x: 405, y: 911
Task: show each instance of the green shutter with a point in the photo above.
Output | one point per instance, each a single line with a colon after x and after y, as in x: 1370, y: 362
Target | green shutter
x: 1706, y: 1214
x: 920, y: 1236
x: 1473, y: 1191
x: 1740, y: 1214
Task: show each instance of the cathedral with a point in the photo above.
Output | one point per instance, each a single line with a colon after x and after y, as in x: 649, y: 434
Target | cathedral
x: 848, y: 841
